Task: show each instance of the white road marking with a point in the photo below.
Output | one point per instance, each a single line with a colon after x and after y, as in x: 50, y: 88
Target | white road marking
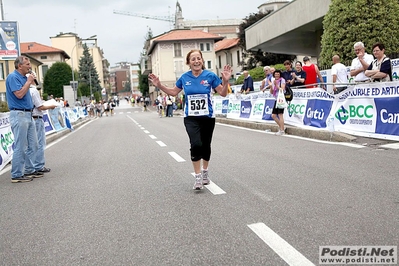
x: 160, y: 143
x: 394, y: 146
x: 146, y: 131
x: 176, y: 157
x: 287, y: 252
x: 213, y: 188
x: 152, y: 136
x: 298, y: 137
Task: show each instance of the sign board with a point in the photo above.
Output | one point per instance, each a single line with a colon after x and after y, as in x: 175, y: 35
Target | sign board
x: 9, y: 40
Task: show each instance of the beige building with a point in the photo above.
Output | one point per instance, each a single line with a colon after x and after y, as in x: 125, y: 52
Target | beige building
x: 134, y: 78
x: 45, y: 54
x: 6, y: 67
x: 167, y: 54
x: 228, y: 52
x: 73, y: 45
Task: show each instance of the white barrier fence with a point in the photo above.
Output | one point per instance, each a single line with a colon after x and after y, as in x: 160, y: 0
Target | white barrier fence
x: 367, y: 109
x: 54, y: 120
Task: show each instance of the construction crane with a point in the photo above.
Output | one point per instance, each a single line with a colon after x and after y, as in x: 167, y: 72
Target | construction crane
x: 163, y: 18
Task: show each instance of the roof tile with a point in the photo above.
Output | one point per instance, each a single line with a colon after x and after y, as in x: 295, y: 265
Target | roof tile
x: 226, y: 44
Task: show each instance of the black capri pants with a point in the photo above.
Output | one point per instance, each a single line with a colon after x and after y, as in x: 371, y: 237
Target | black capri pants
x: 200, y: 131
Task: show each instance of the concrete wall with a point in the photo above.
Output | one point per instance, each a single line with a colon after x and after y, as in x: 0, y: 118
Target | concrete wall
x: 295, y: 28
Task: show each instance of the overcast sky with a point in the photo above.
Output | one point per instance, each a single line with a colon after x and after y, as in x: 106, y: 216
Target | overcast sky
x: 121, y: 37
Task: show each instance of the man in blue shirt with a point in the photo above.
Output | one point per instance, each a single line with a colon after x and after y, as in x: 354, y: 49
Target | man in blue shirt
x: 20, y: 104
x: 248, y: 83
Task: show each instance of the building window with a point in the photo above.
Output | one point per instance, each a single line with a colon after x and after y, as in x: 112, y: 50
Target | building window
x: 1, y: 71
x: 205, y: 47
x: 238, y: 57
x: 220, y: 62
x: 229, y: 59
x: 3, y: 97
x: 209, y: 64
x: 43, y: 57
x: 44, y: 70
x: 177, y: 49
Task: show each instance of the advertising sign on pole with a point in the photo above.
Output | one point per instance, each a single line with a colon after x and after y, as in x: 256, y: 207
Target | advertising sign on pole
x: 9, y: 40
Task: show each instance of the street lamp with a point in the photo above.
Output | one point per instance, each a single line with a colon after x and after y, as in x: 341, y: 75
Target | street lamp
x: 74, y: 86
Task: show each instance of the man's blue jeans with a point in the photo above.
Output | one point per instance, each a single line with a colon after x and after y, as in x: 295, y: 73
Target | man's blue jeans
x: 25, y: 143
x: 39, y: 161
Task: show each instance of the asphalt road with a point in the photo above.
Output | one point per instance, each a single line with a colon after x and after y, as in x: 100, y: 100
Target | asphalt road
x: 120, y: 193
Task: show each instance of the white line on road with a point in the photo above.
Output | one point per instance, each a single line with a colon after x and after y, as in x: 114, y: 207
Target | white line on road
x: 152, y: 136
x: 176, y: 157
x: 394, y: 146
x: 160, y: 143
x: 287, y: 252
x: 146, y: 131
x: 213, y: 188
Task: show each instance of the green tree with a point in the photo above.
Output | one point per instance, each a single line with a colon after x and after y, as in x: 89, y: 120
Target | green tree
x: 58, y: 75
x: 143, y: 79
x: 143, y: 84
x: 258, y: 57
x: 368, y: 21
x: 88, y: 72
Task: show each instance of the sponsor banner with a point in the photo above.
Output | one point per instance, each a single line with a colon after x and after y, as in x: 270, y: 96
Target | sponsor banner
x: 220, y: 106
x: 48, y: 126
x: 57, y: 119
x: 6, y: 139
x: 54, y: 120
x: 368, y: 109
x: 234, y: 108
x: 9, y: 40
x: 245, y: 109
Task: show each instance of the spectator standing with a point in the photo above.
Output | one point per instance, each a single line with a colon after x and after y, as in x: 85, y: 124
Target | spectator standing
x: 158, y: 102
x: 298, y: 76
x: 199, y: 118
x: 380, y: 69
x: 278, y: 113
x: 169, y: 106
x: 20, y: 103
x: 248, y: 83
x: 312, y: 72
x: 37, y: 115
x: 267, y: 81
x: 360, y: 63
x: 287, y: 74
x: 339, y: 75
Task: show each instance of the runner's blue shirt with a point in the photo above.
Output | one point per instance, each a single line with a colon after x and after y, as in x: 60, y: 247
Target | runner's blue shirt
x: 198, y: 92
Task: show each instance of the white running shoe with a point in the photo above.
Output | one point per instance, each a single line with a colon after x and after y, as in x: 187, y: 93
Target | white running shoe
x: 280, y: 133
x: 198, y: 182
x: 205, y: 178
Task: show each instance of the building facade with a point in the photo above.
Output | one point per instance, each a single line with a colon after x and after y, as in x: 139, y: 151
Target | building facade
x: 228, y: 52
x: 73, y: 45
x: 47, y: 55
x: 167, y: 53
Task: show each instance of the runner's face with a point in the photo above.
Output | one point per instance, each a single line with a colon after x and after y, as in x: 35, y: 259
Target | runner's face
x: 196, y: 61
